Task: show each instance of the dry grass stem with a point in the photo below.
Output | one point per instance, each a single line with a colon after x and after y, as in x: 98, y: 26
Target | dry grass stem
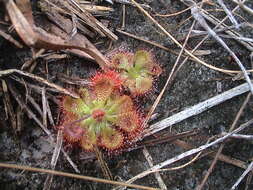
x: 9, y: 107
x: 248, y: 181
x: 10, y: 39
x: 197, y: 15
x: 168, y: 80
x: 228, y: 12
x: 173, y: 14
x: 170, y: 50
x: 123, y: 24
x: 72, y: 26
x: 105, y: 169
x: 240, y: 136
x: 57, y: 150
x: 215, y: 21
x: 30, y: 114
x: 34, y: 104
x: 238, y: 115
x: 249, y: 169
x: 198, y: 60
x: 128, y: 2
x: 44, y: 107
x: 49, y: 114
x: 244, y: 7
x: 189, y: 153
x: 196, y: 109
x: 212, y: 154
x: 31, y: 61
x: 39, y: 79
x: 99, y: 180
x: 157, y: 175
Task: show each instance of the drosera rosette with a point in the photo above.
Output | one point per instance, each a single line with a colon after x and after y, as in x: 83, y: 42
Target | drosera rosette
x: 102, y: 117
x: 137, y: 70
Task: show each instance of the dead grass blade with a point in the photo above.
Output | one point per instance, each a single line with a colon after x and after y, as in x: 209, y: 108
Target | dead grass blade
x: 180, y: 45
x: 157, y: 175
x: 240, y: 136
x: 39, y: 79
x: 222, y: 146
x: 105, y: 169
x: 196, y: 109
x: 250, y: 167
x: 10, y: 39
x: 189, y: 153
x: 99, y: 180
x: 57, y: 150
x: 30, y: 114
x: 197, y: 15
x: 232, y: 33
x: 244, y: 7
x: 74, y: 7
x: 9, y: 108
x: 44, y: 107
x: 36, y: 37
x: 168, y: 79
x: 229, y: 14
x: 212, y: 154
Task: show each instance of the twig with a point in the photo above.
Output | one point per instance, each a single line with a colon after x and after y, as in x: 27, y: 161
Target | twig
x: 181, y: 166
x: 197, y: 15
x: 170, y: 50
x: 221, y: 157
x: 49, y: 114
x: 220, y: 30
x: 105, y: 169
x: 25, y: 107
x: 10, y: 39
x: 57, y: 150
x: 189, y: 153
x: 215, y: 21
x: 196, y: 109
x: 168, y: 79
x: 237, y: 38
x: 157, y: 175
x: 70, y: 161
x: 240, y: 136
x: 250, y: 167
x: 34, y: 57
x: 44, y: 107
x: 221, y: 24
x: 32, y: 169
x: 249, y: 178
x: 39, y: 79
x: 33, y: 116
x: 34, y: 104
x: 244, y: 7
x: 228, y: 12
x: 128, y: 2
x: 176, y: 42
x: 218, y: 24
x: 173, y: 14
x: 9, y: 107
x: 238, y: 115
x: 123, y: 24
